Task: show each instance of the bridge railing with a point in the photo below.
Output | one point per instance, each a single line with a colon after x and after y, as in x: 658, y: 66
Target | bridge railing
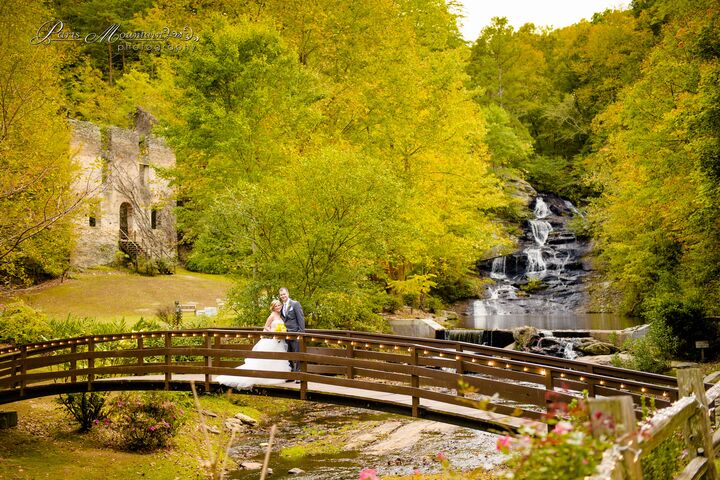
x: 689, y: 418
x: 446, y: 371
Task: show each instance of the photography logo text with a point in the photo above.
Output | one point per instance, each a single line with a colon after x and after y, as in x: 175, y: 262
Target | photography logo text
x: 165, y: 40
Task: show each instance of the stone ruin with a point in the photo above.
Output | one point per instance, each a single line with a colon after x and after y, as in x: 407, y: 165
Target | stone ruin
x: 129, y: 205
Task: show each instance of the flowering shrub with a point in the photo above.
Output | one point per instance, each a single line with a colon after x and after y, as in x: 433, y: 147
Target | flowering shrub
x: 368, y: 474
x: 567, y: 451
x: 87, y: 408
x: 143, y: 422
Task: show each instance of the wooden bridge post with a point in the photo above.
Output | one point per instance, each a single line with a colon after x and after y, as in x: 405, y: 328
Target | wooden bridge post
x: 208, y: 360
x: 350, y: 353
x: 459, y: 367
x: 168, y: 359
x: 90, y: 362
x: 140, y: 346
x: 216, y: 348
x: 415, y: 382
x: 73, y: 364
x: 591, y: 382
x: 698, y: 433
x: 616, y: 416
x: 303, y: 368
x: 23, y: 368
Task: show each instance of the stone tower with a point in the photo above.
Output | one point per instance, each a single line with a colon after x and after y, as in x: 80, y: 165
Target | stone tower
x: 130, y: 206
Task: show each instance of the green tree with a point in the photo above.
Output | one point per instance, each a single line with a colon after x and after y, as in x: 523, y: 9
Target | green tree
x: 657, y: 217
x: 36, y: 194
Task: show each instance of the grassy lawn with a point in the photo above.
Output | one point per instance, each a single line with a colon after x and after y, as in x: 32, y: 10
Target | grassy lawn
x: 45, y: 444
x: 111, y: 294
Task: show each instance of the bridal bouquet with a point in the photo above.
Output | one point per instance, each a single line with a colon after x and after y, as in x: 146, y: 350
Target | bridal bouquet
x: 280, y: 327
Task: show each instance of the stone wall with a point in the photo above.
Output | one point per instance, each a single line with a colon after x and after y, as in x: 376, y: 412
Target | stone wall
x: 118, y: 166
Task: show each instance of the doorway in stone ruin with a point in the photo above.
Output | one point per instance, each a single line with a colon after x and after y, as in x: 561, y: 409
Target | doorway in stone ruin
x: 125, y: 221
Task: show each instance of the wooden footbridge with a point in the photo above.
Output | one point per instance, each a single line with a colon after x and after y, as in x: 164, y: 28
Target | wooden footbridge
x: 454, y: 382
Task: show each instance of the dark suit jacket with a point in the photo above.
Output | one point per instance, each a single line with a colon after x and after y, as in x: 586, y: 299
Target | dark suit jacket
x: 295, y: 318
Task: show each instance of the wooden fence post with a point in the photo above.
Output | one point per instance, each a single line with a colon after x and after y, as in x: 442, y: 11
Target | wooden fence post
x: 73, y: 364
x: 698, y: 435
x: 615, y: 416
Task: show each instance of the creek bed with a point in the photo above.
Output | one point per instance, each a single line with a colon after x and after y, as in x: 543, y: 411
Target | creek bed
x: 338, y: 442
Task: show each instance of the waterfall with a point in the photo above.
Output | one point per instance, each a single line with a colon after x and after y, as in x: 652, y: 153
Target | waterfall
x: 540, y: 230
x: 547, y: 250
x: 569, y: 352
x: 498, y: 268
x: 541, y: 208
x: 536, y: 264
x: 479, y: 309
x: 469, y: 336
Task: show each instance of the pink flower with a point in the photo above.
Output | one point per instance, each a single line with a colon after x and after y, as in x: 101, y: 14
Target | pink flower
x: 368, y: 474
x: 503, y: 443
x: 562, y: 427
x: 441, y: 457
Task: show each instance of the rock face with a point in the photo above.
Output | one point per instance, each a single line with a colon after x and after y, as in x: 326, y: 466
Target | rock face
x: 545, y: 275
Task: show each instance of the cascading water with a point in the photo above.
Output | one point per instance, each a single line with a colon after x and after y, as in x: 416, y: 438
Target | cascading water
x: 541, y: 284
x: 498, y: 268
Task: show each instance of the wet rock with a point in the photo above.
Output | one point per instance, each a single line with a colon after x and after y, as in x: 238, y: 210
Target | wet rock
x: 590, y: 346
x: 296, y: 471
x: 604, y: 359
x: 211, y: 429
x: 251, y: 465
x: 233, y: 424
x: 547, y: 346
x: 246, y: 419
x: 372, y: 435
x: 208, y: 413
x: 635, y: 332
x: 525, y: 336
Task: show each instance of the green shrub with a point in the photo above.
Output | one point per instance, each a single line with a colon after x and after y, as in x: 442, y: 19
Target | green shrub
x: 392, y: 303
x: 20, y: 324
x: 651, y: 353
x: 435, y: 305
x: 347, y: 311
x: 533, y: 285
x: 686, y: 323
x: 87, y: 408
x: 144, y: 422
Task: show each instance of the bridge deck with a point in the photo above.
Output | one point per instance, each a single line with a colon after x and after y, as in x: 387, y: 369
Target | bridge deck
x: 413, y: 376
x: 467, y: 416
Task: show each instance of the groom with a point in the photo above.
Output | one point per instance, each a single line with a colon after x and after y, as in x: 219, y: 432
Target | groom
x: 294, y: 318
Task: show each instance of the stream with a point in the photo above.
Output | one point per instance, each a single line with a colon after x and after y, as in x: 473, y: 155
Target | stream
x: 345, y: 440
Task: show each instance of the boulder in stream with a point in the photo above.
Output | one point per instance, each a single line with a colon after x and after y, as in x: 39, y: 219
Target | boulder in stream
x: 591, y: 346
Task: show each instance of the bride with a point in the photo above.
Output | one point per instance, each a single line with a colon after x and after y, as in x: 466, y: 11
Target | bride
x: 274, y: 323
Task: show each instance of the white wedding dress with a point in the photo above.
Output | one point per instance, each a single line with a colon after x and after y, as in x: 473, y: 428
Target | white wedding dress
x: 263, y: 345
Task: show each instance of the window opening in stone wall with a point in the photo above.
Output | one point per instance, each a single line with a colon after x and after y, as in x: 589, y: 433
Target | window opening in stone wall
x: 154, y: 219
x: 91, y: 221
x: 143, y: 174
